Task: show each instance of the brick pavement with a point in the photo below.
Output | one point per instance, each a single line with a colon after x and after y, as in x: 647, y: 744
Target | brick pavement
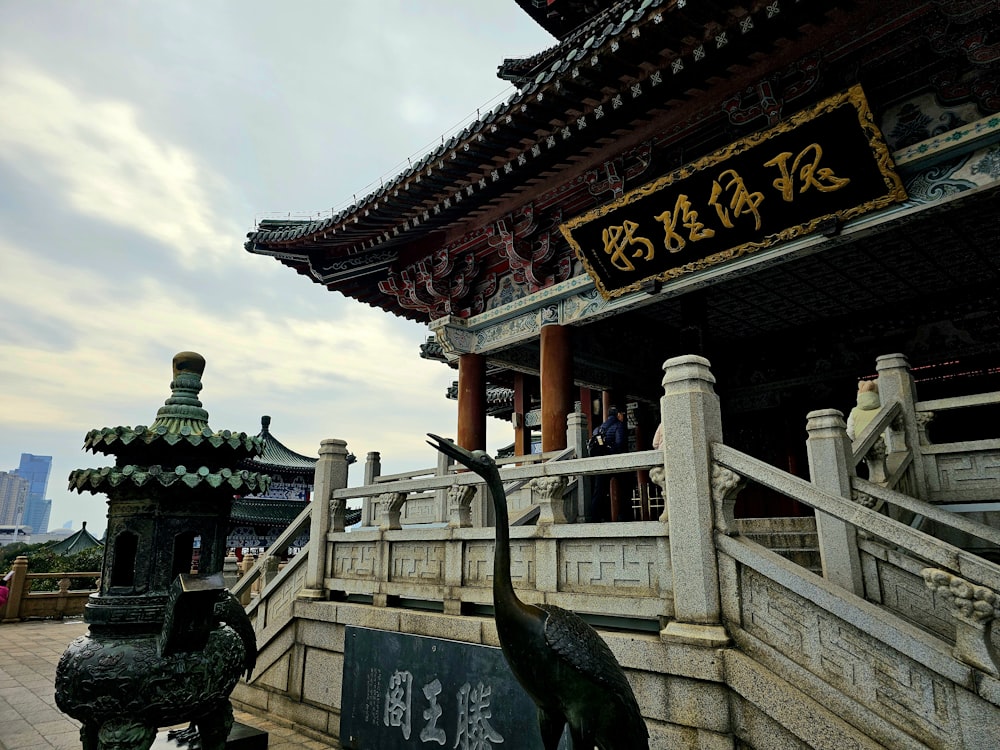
x: 29, y: 719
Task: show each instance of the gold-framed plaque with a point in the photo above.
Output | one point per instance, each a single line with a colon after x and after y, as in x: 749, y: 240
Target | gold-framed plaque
x: 826, y: 162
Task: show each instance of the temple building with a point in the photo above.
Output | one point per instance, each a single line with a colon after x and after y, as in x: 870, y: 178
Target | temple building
x: 77, y: 542
x: 256, y: 520
x: 789, y: 189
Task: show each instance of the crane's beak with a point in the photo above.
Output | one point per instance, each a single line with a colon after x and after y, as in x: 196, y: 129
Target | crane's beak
x: 449, y: 448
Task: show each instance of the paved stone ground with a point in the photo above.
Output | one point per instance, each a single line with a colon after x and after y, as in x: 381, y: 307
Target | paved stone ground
x: 29, y: 719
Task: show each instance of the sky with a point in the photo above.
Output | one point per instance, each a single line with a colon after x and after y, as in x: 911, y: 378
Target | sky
x: 140, y: 142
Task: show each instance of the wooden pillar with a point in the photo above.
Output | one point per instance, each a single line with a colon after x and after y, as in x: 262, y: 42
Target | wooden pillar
x: 557, y: 385
x: 472, y: 402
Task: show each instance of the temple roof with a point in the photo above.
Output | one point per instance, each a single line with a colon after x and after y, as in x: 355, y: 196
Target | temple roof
x: 260, y: 510
x: 630, y: 61
x: 278, y: 458
x: 562, y: 17
x: 268, y: 512
x: 78, y: 542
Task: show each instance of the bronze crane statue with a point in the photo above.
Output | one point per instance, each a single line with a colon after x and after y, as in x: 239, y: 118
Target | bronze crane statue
x: 561, y: 662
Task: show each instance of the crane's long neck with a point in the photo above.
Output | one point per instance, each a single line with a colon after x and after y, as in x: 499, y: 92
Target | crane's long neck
x: 504, y: 598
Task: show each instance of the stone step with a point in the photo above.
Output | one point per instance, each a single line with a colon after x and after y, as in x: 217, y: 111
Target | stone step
x: 794, y: 538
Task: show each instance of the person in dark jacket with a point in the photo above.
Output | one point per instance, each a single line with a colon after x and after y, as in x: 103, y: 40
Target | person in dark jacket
x: 616, y: 441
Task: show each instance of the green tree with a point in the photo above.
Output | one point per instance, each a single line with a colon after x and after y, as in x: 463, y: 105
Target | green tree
x: 41, y: 559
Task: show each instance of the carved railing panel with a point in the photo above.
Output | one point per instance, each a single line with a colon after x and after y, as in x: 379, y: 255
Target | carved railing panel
x: 354, y: 560
x: 617, y: 566
x: 419, y: 562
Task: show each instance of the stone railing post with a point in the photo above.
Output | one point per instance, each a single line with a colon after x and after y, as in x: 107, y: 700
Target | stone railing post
x: 895, y: 383
x: 331, y: 474
x: 576, y: 438
x: 830, y: 467
x: 230, y: 570
x: 441, y: 469
x: 373, y: 467
x: 373, y: 470
x: 692, y: 421
x: 270, y: 570
x: 18, y: 585
x: 246, y: 565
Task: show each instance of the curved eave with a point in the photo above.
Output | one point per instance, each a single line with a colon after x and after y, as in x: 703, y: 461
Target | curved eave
x: 563, y: 17
x: 78, y: 542
x: 265, y: 511
x: 651, y: 54
x: 277, y: 458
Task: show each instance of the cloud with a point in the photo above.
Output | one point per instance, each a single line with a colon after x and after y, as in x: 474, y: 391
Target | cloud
x: 96, y: 153
x: 116, y: 345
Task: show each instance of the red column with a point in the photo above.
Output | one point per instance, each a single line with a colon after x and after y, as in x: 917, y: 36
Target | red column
x: 472, y: 402
x: 557, y: 385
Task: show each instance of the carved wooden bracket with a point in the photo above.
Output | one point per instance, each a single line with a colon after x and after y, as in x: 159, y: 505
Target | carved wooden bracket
x: 612, y: 175
x: 389, y: 505
x: 460, y: 505
x: 974, y: 608
x: 442, y: 284
x: 552, y: 506
x: 726, y: 485
x: 529, y: 252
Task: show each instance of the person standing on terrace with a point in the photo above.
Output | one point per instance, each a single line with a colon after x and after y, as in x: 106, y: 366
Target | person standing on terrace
x: 615, y: 441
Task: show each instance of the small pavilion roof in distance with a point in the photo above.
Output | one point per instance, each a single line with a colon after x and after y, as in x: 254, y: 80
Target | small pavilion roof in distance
x: 278, y: 458
x: 78, y: 542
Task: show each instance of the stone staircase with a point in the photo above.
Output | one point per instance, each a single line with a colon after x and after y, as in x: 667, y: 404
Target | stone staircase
x: 794, y: 538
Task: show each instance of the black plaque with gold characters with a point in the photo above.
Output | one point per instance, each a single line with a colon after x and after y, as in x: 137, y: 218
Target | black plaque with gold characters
x: 827, y: 162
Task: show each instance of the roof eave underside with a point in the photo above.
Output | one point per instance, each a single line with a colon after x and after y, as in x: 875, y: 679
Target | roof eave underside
x: 654, y: 54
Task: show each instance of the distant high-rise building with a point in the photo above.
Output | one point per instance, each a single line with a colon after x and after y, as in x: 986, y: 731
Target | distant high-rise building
x: 37, y: 509
x: 13, y: 498
x: 36, y: 515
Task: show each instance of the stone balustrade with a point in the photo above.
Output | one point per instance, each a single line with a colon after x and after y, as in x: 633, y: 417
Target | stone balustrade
x: 892, y: 646
x: 23, y: 603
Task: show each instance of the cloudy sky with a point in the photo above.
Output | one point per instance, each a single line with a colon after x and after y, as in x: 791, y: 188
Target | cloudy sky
x: 140, y: 142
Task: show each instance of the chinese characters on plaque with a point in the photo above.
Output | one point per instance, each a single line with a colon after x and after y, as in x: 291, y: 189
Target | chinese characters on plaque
x: 826, y: 163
